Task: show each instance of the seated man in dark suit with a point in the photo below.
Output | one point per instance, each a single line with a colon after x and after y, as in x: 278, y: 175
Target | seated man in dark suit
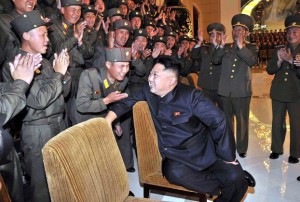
x: 197, y: 148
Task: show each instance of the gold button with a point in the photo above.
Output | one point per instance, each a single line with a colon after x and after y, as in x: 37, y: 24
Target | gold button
x: 166, y: 149
x: 233, y: 65
x: 210, y: 68
x: 231, y: 76
x: 232, y: 70
x: 286, y: 73
x: 285, y: 79
x: 235, y: 59
x: 210, y: 72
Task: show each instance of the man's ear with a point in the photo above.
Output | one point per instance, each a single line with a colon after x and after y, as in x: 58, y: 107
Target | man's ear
x: 108, y: 64
x: 172, y: 81
x: 26, y: 36
x: 62, y: 10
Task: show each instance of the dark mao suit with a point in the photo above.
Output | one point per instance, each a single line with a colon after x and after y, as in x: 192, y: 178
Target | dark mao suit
x: 194, y: 141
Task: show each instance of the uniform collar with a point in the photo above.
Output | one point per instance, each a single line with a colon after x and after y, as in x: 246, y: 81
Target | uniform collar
x: 169, y: 96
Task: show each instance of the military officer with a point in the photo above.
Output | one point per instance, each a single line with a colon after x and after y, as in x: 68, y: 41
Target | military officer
x: 235, y: 86
x: 285, y: 91
x: 45, y: 105
x: 68, y: 33
x: 209, y: 73
x: 141, y: 63
x: 99, y: 88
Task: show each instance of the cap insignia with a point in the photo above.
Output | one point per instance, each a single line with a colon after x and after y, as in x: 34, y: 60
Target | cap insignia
x: 125, y: 23
x: 140, y: 31
x: 127, y: 53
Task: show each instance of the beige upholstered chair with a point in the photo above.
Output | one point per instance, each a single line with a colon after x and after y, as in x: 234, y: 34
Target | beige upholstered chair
x: 184, y: 80
x: 193, y: 79
x: 83, y: 163
x: 149, y: 158
x: 4, y: 195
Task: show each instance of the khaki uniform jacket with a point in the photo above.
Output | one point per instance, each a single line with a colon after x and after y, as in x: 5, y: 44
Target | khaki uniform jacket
x: 286, y: 83
x: 236, y: 76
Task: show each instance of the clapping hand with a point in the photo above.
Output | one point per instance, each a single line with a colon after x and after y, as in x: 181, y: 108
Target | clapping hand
x: 61, y: 62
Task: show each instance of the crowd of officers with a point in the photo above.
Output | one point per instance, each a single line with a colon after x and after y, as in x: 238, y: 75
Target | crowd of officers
x: 90, y: 56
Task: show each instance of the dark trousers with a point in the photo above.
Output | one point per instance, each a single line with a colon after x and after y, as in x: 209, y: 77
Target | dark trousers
x: 213, y: 96
x: 222, y: 179
x: 279, y: 110
x: 238, y: 107
x: 33, y: 139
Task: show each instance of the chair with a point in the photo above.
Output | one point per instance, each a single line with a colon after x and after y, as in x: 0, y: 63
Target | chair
x: 149, y: 158
x: 4, y: 195
x: 184, y: 80
x: 193, y: 79
x: 83, y: 163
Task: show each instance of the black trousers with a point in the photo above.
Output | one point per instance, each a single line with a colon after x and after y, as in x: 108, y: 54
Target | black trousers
x: 222, y: 179
x: 240, y: 108
x: 279, y: 110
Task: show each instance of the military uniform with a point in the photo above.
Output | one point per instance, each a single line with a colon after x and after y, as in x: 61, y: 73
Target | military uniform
x: 42, y: 118
x: 209, y: 73
x: 140, y: 67
x: 235, y: 86
x: 285, y: 95
x: 185, y: 59
x: 94, y: 85
x: 61, y: 36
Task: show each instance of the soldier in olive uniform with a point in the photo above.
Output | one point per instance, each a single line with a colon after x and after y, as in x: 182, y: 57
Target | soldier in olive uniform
x: 183, y: 54
x: 209, y: 73
x: 99, y: 88
x: 68, y: 33
x: 235, y: 85
x: 285, y: 91
x: 12, y: 101
x: 45, y: 102
x: 141, y: 64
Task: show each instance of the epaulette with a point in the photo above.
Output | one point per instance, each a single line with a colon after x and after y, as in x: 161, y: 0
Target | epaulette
x: 280, y: 46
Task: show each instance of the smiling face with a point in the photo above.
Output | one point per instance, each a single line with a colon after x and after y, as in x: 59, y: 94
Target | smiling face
x: 116, y: 71
x: 293, y: 35
x: 23, y: 6
x: 136, y: 23
x: 121, y: 37
x: 239, y: 31
x: 71, y: 13
x: 90, y: 19
x: 36, y: 40
x: 161, y: 81
x: 141, y: 42
x: 100, y: 6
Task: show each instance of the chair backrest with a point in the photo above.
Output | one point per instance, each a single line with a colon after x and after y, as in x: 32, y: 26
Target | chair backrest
x: 193, y: 79
x: 149, y: 158
x: 4, y: 195
x: 83, y: 163
x: 184, y: 80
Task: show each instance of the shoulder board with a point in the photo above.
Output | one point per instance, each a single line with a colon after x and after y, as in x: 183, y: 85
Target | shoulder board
x: 280, y: 46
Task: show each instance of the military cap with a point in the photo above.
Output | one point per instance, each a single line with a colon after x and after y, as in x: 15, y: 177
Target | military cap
x: 216, y: 26
x: 88, y: 9
x: 243, y: 20
x: 170, y: 33
x: 133, y: 14
x: 184, y: 37
x: 149, y: 14
x: 28, y: 21
x: 160, y: 24
x: 122, y: 24
x: 140, y: 32
x: 123, y: 2
x: 292, y: 21
x: 118, y: 54
x: 114, y: 12
x: 65, y: 3
x: 162, y: 39
x: 194, y: 39
x: 171, y: 24
x: 150, y: 23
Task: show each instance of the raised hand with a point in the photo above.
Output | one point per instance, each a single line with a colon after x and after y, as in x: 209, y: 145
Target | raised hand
x: 223, y: 40
x: 200, y: 37
x: 155, y: 52
x: 23, y: 67
x: 61, y: 62
x: 146, y: 53
x: 285, y: 54
x: 114, y: 96
x: 168, y: 52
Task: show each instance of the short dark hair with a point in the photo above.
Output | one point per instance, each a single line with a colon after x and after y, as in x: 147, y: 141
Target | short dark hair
x: 170, y: 63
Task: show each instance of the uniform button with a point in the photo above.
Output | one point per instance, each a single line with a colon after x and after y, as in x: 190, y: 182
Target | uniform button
x: 287, y: 68
x: 166, y: 149
x: 164, y: 126
x: 285, y: 79
x: 286, y: 73
x: 233, y: 65
x: 231, y: 76
x: 210, y: 68
x: 232, y: 70
x: 210, y: 72
x: 235, y: 59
